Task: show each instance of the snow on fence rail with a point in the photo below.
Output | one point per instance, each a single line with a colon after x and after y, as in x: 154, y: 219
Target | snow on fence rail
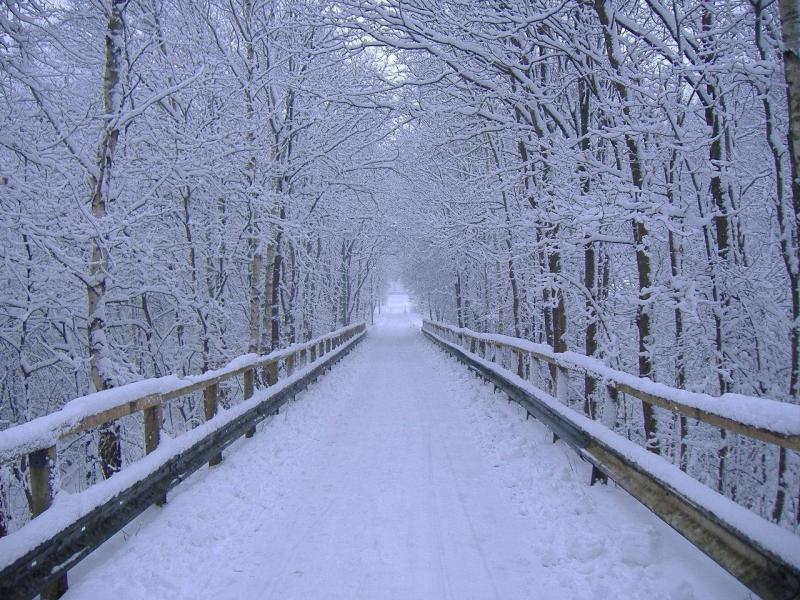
x: 35, y: 558
x: 759, y: 418
x: 762, y: 555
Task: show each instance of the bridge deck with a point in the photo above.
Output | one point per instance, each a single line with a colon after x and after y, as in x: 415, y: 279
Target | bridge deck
x: 399, y: 475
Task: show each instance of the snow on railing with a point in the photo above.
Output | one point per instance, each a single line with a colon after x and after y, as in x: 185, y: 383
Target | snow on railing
x: 759, y: 418
x: 90, y: 411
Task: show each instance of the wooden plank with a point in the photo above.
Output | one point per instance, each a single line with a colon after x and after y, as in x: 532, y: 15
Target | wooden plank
x: 34, y: 570
x: 113, y: 414
x: 756, y: 567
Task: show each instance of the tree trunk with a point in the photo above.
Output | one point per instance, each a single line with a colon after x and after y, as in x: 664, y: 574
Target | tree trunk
x: 109, y: 448
x: 640, y: 233
x: 459, y: 306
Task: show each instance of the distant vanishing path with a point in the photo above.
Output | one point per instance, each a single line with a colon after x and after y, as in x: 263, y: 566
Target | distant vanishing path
x: 399, y: 475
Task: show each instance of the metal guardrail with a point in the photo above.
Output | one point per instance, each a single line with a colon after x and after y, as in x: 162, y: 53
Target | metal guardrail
x: 758, y: 567
x: 43, y: 569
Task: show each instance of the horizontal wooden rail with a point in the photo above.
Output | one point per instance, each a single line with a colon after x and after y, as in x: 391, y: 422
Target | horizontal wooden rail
x: 36, y: 558
x: 93, y: 410
x: 758, y: 553
x: 762, y: 419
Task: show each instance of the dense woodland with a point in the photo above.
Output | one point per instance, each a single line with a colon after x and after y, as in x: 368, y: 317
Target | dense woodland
x: 185, y: 182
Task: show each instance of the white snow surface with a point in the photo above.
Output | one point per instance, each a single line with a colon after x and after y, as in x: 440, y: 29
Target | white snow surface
x: 399, y: 475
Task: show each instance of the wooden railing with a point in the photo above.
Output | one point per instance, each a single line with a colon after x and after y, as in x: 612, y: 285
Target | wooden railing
x: 36, y: 558
x: 760, y: 554
x: 758, y: 418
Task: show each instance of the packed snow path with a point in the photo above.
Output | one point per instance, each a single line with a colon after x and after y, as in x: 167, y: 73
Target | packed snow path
x: 399, y: 475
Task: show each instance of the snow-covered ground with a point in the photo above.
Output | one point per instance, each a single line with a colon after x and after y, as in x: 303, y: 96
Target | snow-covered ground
x: 399, y: 475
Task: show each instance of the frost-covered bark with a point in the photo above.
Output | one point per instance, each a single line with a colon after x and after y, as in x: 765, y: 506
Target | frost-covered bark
x: 100, y: 362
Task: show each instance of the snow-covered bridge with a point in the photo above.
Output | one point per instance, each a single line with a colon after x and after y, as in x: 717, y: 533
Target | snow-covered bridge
x: 398, y: 474
x: 204, y: 206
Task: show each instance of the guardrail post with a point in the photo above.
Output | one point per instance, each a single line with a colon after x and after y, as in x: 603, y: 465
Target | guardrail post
x: 248, y: 393
x: 152, y: 436
x: 41, y: 470
x: 327, y: 346
x: 210, y: 403
x: 312, y: 353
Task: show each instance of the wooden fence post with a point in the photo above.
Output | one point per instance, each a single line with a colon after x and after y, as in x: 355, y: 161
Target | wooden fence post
x: 248, y: 393
x: 290, y: 361
x: 152, y: 436
x: 562, y: 385
x: 210, y: 403
x: 41, y: 470
x: 152, y: 428
x: 271, y: 372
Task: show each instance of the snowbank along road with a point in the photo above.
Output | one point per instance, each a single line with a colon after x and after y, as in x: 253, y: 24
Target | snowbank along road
x: 399, y: 475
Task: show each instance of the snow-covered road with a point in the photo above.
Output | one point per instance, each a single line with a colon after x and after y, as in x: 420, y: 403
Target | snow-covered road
x: 399, y: 475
